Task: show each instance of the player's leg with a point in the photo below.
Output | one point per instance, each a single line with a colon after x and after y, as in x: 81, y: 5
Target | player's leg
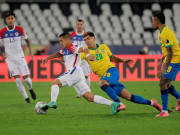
x: 28, y: 82
x: 139, y: 100
x: 83, y: 89
x: 14, y: 72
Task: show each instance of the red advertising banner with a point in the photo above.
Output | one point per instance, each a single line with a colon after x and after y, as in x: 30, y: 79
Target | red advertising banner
x: 144, y: 68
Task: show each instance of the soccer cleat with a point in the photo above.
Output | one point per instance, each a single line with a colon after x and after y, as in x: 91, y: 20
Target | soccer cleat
x: 121, y: 108
x: 163, y: 114
x: 44, y: 107
x: 178, y: 106
x: 114, y: 107
x: 28, y: 100
x: 33, y: 94
x: 156, y: 105
x: 52, y: 104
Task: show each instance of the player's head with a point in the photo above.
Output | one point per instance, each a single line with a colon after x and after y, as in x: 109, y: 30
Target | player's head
x: 10, y: 18
x: 158, y: 19
x: 65, y: 39
x: 79, y: 25
x: 89, y: 38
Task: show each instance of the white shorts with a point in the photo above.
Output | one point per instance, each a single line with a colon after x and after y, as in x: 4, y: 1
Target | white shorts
x: 86, y: 68
x: 17, y: 66
x: 76, y: 79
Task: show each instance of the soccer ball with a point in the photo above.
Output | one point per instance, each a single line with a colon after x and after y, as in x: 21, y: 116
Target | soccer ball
x: 38, y: 109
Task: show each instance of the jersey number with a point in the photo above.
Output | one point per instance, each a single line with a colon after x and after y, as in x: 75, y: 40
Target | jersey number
x: 99, y: 56
x: 11, y: 40
x: 169, y: 69
x: 107, y: 74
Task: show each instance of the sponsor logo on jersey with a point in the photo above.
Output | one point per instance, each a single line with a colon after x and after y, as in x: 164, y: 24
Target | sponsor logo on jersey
x: 102, y: 50
x: 11, y: 34
x: 74, y: 37
x: 167, y: 41
x: 6, y: 35
x: 97, y: 51
x: 16, y: 34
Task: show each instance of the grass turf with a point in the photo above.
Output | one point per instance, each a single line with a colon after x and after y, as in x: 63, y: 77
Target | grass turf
x: 79, y: 117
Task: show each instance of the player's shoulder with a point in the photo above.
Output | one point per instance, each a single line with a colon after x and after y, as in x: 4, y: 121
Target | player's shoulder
x: 3, y: 30
x: 102, y: 45
x: 73, y: 33
x: 18, y: 28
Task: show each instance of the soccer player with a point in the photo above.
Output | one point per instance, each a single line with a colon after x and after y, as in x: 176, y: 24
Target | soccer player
x: 170, y: 61
x: 108, y: 74
x: 74, y: 76
x: 11, y: 37
x: 77, y: 38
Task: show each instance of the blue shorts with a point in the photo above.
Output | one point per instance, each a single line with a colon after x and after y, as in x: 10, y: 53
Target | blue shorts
x: 112, y: 77
x: 172, y: 71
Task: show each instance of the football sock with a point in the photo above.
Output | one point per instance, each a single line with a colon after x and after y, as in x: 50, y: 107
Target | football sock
x: 164, y: 99
x: 28, y: 82
x: 140, y: 100
x: 174, y: 92
x: 88, y: 81
x: 21, y: 88
x: 54, y: 92
x: 102, y: 100
x: 118, y: 88
x: 110, y: 92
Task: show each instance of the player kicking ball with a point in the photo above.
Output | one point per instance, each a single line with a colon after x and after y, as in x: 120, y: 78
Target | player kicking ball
x: 74, y: 76
x: 11, y: 37
x: 109, y: 75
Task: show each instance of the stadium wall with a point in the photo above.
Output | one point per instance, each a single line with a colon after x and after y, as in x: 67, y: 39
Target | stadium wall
x: 143, y: 69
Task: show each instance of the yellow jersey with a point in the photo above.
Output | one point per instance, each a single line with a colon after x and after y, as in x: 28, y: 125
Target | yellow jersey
x: 102, y: 62
x: 167, y: 38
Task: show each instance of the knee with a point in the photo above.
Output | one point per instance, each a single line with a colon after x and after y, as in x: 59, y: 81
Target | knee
x: 103, y: 82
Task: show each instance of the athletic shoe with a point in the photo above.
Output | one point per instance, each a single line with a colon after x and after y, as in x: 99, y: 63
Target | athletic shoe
x: 163, y: 114
x: 121, y: 108
x: 114, y: 107
x: 52, y: 104
x: 28, y: 100
x: 33, y: 94
x: 156, y: 105
x: 178, y: 106
x: 44, y: 107
x: 78, y: 96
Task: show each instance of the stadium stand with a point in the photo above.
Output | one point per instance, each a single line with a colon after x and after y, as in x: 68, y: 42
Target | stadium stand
x: 118, y: 24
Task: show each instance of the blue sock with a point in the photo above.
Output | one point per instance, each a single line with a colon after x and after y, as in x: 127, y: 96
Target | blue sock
x: 164, y: 98
x: 174, y: 92
x: 118, y: 88
x: 140, y: 100
x: 111, y: 93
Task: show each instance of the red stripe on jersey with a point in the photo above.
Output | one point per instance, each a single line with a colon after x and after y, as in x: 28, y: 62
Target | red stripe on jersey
x: 75, y: 60
x: 21, y: 30
x: 73, y: 33
x: 2, y: 31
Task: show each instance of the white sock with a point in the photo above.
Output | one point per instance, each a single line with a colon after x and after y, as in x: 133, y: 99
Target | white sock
x: 152, y: 102
x: 101, y: 100
x: 54, y: 92
x: 21, y: 88
x: 121, y: 103
x: 88, y: 81
x: 28, y: 82
x: 165, y: 111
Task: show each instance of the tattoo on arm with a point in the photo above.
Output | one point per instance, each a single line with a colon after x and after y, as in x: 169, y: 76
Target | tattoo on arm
x: 116, y: 59
x: 168, y: 57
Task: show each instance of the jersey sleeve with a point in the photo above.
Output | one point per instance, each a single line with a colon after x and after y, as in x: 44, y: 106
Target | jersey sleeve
x: 167, y: 40
x: 0, y: 38
x: 61, y: 51
x: 74, y: 48
x: 23, y: 33
x: 108, y: 51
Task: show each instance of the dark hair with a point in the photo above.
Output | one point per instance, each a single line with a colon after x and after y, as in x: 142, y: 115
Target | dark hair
x: 65, y: 35
x: 160, y: 16
x: 9, y: 14
x: 79, y: 20
x: 89, y: 33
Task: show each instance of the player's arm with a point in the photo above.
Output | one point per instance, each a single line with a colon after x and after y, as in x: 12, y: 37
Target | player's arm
x: 87, y: 52
x: 2, y: 54
x: 29, y: 47
x: 160, y: 63
x: 55, y: 55
x: 119, y: 60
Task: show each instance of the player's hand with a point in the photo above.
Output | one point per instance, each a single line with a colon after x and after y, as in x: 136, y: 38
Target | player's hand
x: 161, y: 72
x: 44, y: 60
x: 159, y: 65
x: 130, y: 61
x: 91, y: 57
x: 4, y: 56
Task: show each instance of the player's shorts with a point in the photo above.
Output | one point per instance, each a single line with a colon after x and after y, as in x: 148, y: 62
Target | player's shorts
x: 172, y: 71
x: 17, y: 66
x: 86, y: 68
x: 76, y: 79
x: 112, y: 77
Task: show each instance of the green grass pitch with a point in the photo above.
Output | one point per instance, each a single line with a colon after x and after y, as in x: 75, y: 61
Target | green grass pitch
x: 79, y: 117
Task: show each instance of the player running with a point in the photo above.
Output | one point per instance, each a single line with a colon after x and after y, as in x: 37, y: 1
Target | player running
x: 77, y: 38
x: 11, y: 36
x: 170, y: 60
x: 108, y: 74
x: 74, y: 76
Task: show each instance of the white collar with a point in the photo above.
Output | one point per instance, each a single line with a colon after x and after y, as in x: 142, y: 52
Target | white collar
x: 10, y: 30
